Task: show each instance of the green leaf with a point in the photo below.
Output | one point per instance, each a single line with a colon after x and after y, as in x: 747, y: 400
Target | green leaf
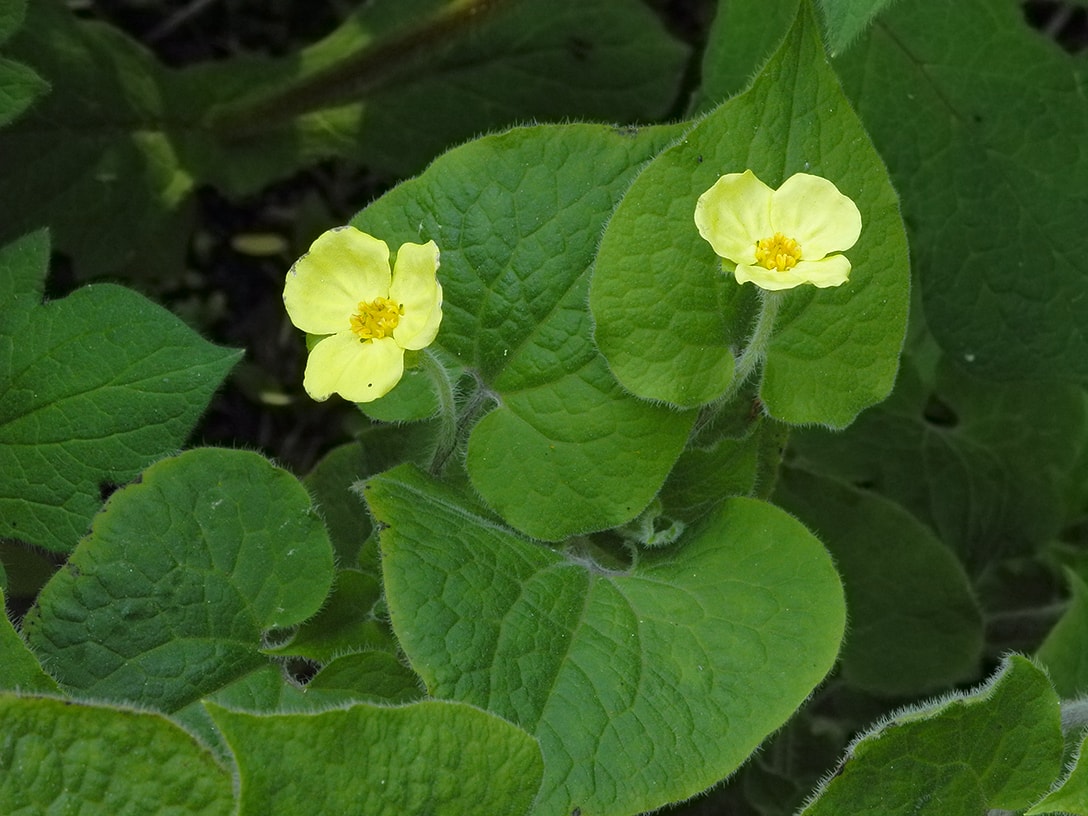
x: 345, y: 515
x: 983, y: 134
x: 744, y: 34
x: 678, y: 666
x: 399, y: 83
x: 669, y: 321
x: 999, y: 747
x: 108, y: 158
x: 98, y: 385
x: 517, y: 218
x: 345, y: 624
x: 93, y: 159
x: 1071, y: 796
x: 12, y: 13
x: 24, y: 264
x: 977, y: 461
x: 19, y: 668
x: 847, y: 19
x: 903, y: 587
x: 62, y: 757
x: 438, y: 758
x: 1066, y: 644
x: 19, y: 87
x: 166, y: 600
x: 370, y: 676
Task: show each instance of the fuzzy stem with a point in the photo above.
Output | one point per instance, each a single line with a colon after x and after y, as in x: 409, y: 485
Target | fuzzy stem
x: 756, y: 349
x: 359, y: 74
x: 447, y: 409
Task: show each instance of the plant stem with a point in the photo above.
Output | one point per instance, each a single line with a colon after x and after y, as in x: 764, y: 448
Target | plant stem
x: 756, y: 349
x: 447, y: 409
x: 359, y: 74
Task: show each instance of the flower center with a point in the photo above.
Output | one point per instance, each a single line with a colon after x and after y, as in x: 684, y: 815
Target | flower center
x: 376, y: 319
x: 778, y: 252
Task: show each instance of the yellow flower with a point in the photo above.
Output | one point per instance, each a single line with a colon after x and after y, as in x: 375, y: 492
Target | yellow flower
x: 780, y: 238
x: 343, y: 289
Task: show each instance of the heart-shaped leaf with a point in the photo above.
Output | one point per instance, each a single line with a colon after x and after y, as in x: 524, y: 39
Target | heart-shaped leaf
x: 98, y: 385
x: 997, y: 748
x: 669, y: 321
x: 642, y: 685
x: 167, y: 598
x: 517, y: 218
x: 61, y: 757
x: 431, y: 757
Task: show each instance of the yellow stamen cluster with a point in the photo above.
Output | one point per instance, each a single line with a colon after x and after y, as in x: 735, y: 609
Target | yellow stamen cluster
x: 778, y: 252
x: 377, y: 319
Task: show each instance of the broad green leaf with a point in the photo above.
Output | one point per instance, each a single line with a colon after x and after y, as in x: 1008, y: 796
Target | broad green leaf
x: 721, y: 459
x: 398, y: 83
x: 94, y: 387
x: 1066, y: 644
x: 345, y: 624
x: 19, y: 668
x: 437, y: 758
x: 342, y: 509
x: 93, y: 160
x: 109, y: 157
x: 847, y: 19
x: 23, y: 267
x: 517, y: 217
x: 742, y: 37
x: 983, y: 134
x: 669, y: 321
x: 167, y: 598
x: 19, y: 87
x: 370, y: 676
x: 1070, y: 798
x: 915, y: 624
x: 644, y: 685
x: 997, y: 748
x: 11, y: 17
x: 980, y: 462
x: 413, y: 399
x: 57, y: 756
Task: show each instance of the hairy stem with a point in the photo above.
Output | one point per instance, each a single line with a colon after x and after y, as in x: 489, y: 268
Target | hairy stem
x: 357, y: 75
x: 756, y: 349
x: 447, y: 410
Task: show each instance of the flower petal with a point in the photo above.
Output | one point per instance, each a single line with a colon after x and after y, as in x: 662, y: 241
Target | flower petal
x: 812, y: 211
x: 357, y: 371
x: 415, y: 287
x: 343, y: 267
x: 833, y: 270
x: 734, y: 214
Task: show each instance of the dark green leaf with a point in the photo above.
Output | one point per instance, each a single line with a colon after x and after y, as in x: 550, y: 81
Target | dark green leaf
x: 915, y: 624
x: 167, y: 599
x: 61, y: 757
x: 434, y: 758
x: 999, y: 747
x: 98, y: 385
x: 678, y: 666
x: 517, y: 218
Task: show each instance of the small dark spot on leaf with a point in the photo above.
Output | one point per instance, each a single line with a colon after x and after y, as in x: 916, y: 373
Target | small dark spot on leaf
x: 939, y: 413
x: 576, y: 812
x: 699, y: 159
x: 579, y: 48
x: 106, y: 489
